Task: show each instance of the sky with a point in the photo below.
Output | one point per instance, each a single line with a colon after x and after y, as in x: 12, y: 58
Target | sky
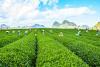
x: 45, y: 12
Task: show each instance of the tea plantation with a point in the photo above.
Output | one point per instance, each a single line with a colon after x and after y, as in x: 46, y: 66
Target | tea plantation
x: 49, y: 48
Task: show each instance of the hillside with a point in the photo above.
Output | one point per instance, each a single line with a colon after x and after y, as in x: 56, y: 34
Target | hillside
x: 64, y: 24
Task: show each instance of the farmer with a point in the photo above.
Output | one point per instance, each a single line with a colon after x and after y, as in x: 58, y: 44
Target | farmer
x: 61, y: 34
x: 87, y: 29
x: 78, y: 33
x: 97, y: 32
x: 19, y: 32
x: 7, y: 32
x: 43, y: 31
x: 26, y: 32
x: 30, y: 29
x: 13, y: 31
x: 51, y: 31
x: 78, y: 28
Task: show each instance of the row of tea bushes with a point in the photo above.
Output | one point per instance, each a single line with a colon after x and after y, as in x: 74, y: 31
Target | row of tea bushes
x: 53, y: 54
x: 18, y: 54
x: 89, y: 53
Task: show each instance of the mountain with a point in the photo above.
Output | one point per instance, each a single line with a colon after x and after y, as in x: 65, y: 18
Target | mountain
x: 38, y: 26
x: 84, y: 27
x: 56, y: 24
x: 68, y: 23
x: 64, y: 24
x: 3, y: 26
x: 65, y: 21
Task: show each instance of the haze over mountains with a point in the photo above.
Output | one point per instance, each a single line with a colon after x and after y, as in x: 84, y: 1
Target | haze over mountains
x: 4, y: 26
x: 65, y: 24
x: 38, y: 26
x: 68, y: 24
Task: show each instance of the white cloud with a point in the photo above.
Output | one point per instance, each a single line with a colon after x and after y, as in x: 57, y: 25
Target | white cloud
x: 26, y: 12
x: 15, y: 9
x: 67, y: 12
x: 7, y: 4
x: 60, y: 14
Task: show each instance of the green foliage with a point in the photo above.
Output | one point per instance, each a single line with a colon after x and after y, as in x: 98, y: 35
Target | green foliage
x: 19, y: 53
x: 7, y: 38
x: 48, y: 49
x: 88, y: 52
x: 53, y: 54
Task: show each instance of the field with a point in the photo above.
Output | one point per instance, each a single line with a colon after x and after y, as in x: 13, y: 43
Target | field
x: 49, y: 48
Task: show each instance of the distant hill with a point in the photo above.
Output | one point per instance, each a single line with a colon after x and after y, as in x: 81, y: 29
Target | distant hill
x: 69, y: 23
x: 64, y: 24
x: 3, y: 26
x: 56, y: 24
x: 38, y: 26
x: 84, y: 27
